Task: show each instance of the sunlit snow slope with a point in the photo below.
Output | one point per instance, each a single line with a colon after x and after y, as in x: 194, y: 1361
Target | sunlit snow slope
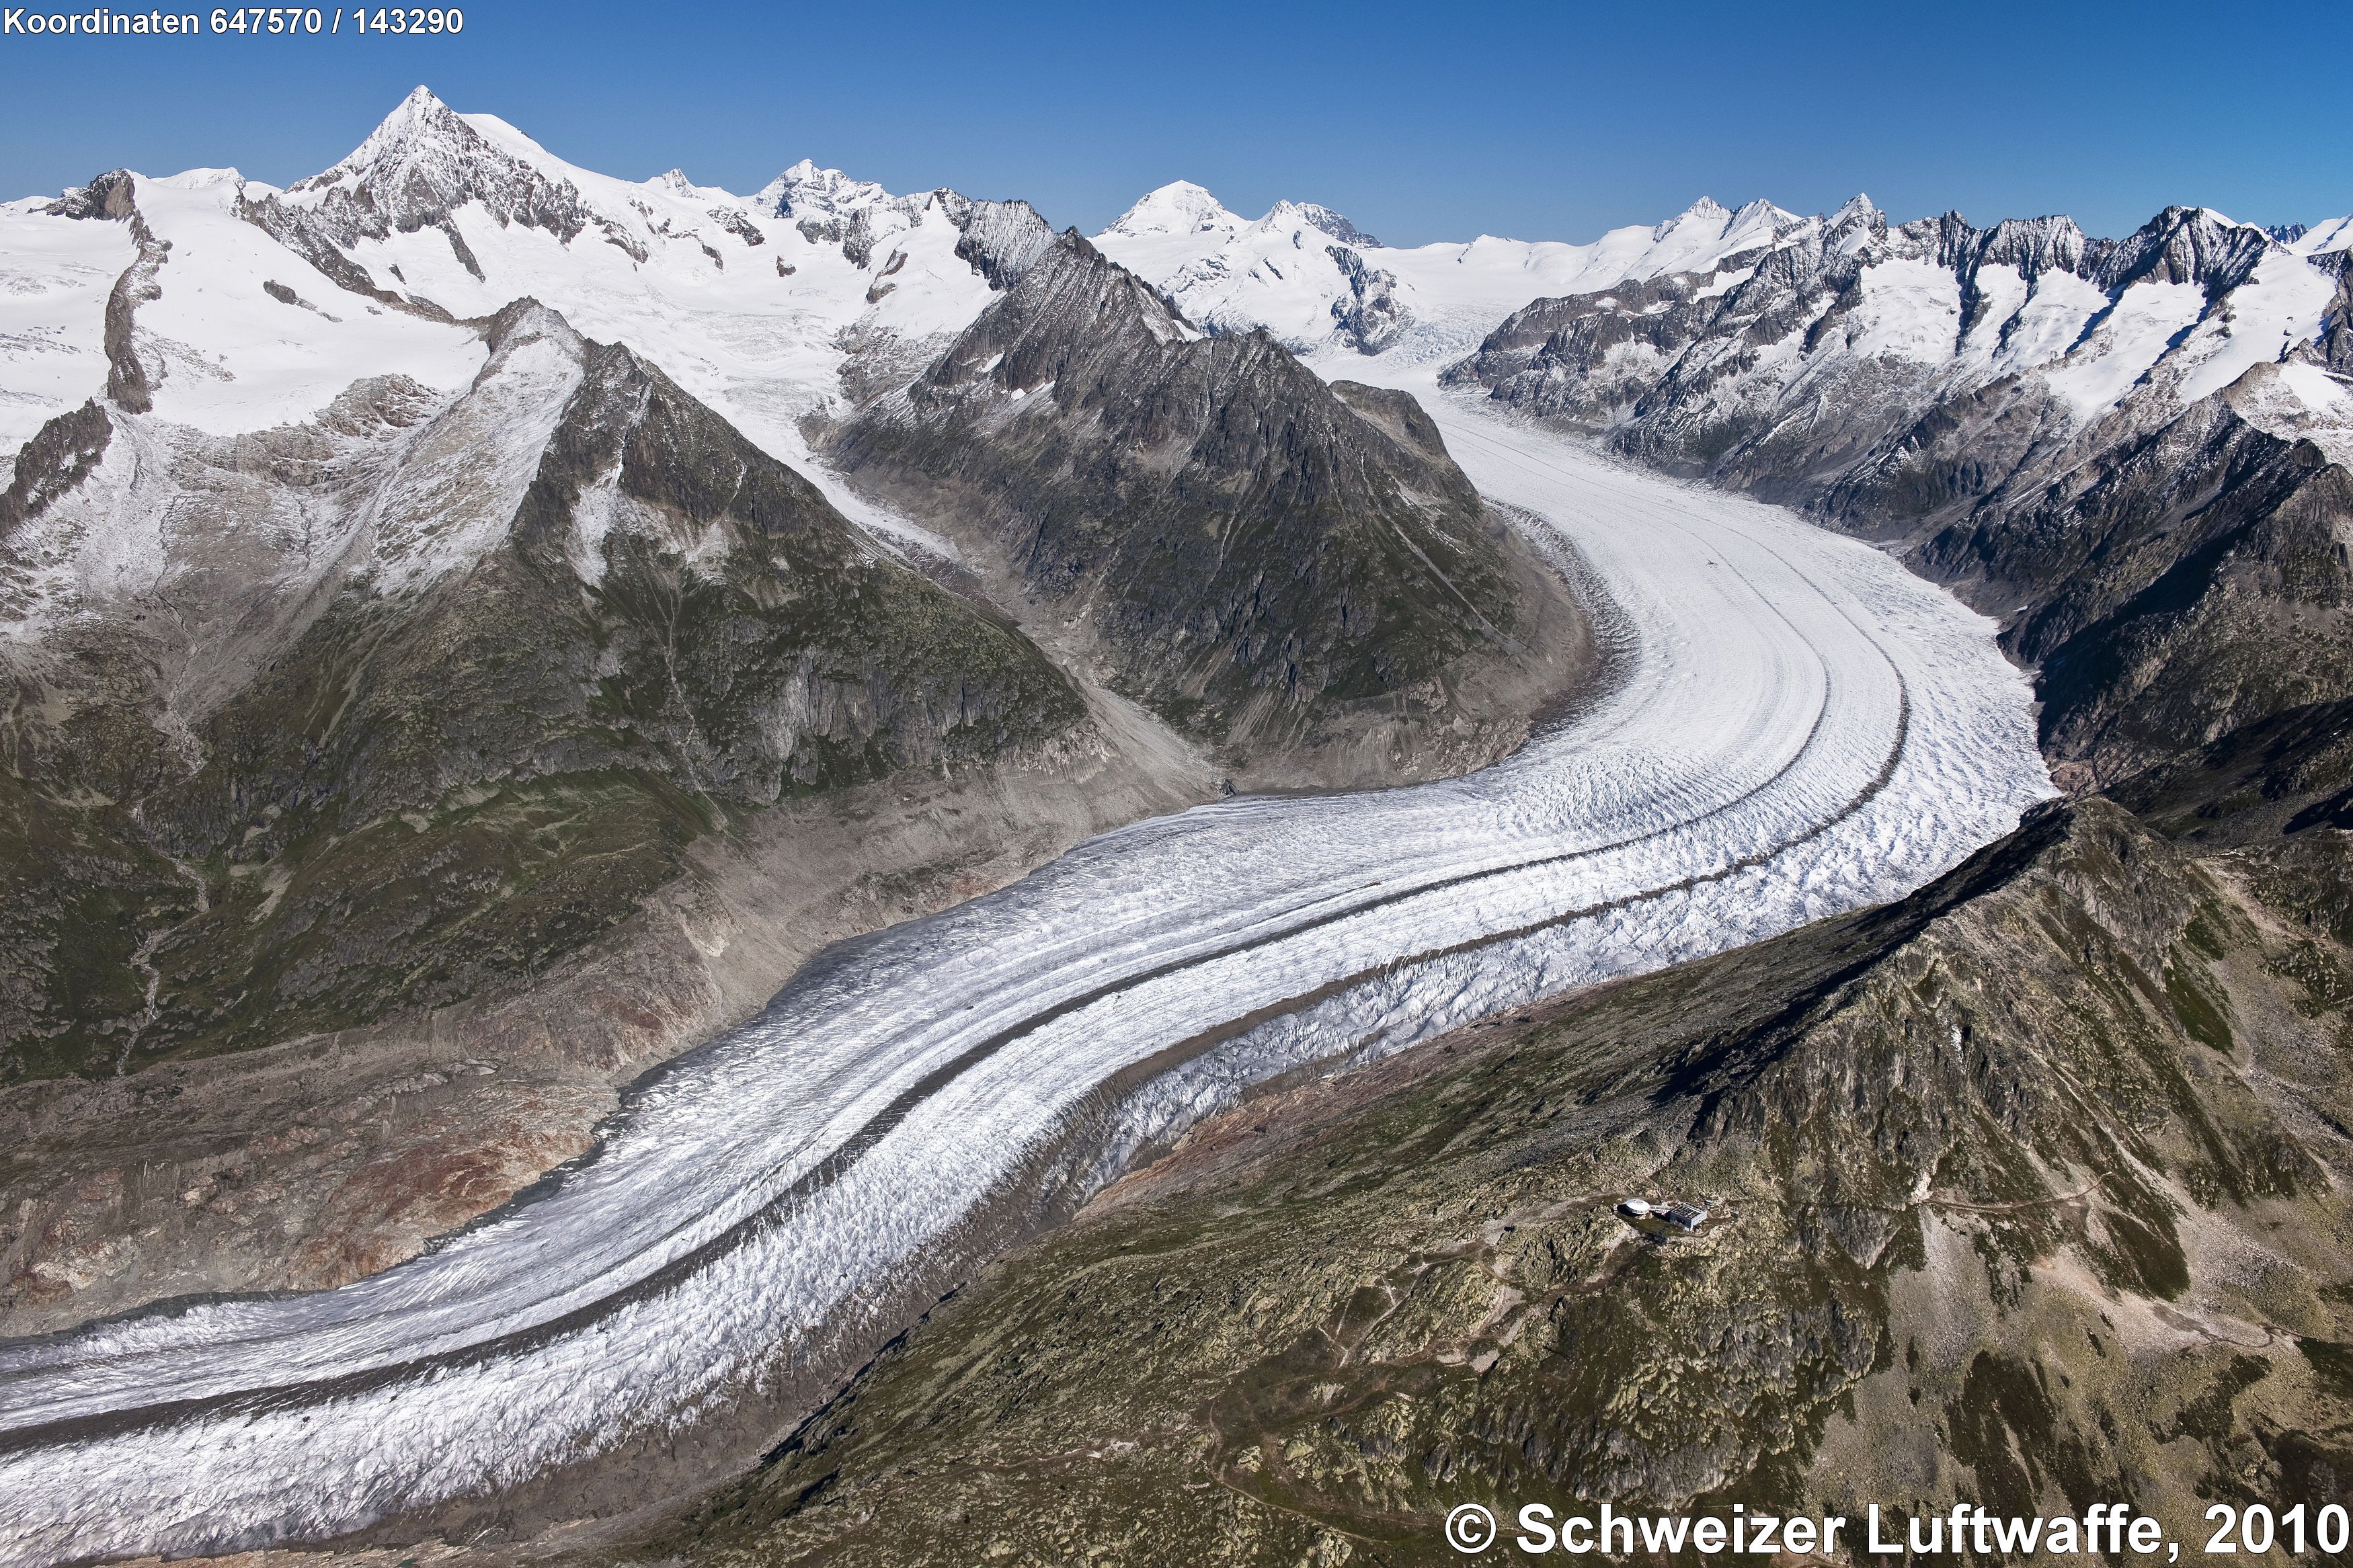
x: 1802, y: 728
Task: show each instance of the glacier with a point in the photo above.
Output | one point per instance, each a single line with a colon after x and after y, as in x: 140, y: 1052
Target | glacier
x: 1795, y: 727
x: 1800, y: 727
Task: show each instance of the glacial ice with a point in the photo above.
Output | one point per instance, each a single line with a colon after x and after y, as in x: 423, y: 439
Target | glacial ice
x: 1801, y: 728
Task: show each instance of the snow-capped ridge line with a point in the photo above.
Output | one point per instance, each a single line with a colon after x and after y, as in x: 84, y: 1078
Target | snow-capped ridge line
x: 1315, y: 280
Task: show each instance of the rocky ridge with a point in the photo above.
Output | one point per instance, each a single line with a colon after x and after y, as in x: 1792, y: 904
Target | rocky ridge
x: 1239, y: 548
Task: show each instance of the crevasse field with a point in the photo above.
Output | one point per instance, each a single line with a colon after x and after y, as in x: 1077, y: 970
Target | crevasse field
x: 1800, y: 728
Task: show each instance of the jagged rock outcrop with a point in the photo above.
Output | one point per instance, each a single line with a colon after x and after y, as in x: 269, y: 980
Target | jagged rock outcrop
x: 1372, y: 316
x: 1248, y: 556
x: 58, y: 457
x: 1336, y: 225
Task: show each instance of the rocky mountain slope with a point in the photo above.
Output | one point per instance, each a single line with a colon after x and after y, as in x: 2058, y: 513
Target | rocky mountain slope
x: 2025, y: 1193
x: 573, y: 587
x: 2133, y: 452
x: 442, y: 716
x: 1297, y: 574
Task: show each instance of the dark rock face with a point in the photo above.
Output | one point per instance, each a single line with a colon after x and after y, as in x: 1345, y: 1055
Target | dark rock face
x: 2334, y: 349
x: 1251, y: 555
x: 2181, y: 245
x: 2179, y: 585
x: 1001, y: 239
x: 59, y: 457
x: 1993, y: 1170
x: 112, y: 197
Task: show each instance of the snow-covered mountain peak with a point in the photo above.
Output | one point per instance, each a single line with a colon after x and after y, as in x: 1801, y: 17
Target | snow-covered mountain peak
x: 1179, y: 207
x: 426, y: 160
x: 1858, y: 214
x: 1290, y: 218
x: 1761, y: 216
x: 675, y: 182
x: 1707, y: 209
x: 1857, y: 225
x: 422, y: 134
x: 200, y: 179
x: 806, y: 191
x: 418, y: 118
x: 1707, y: 228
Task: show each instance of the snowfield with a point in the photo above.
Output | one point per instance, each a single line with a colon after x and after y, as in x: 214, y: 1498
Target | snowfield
x: 1802, y: 728
x: 54, y: 279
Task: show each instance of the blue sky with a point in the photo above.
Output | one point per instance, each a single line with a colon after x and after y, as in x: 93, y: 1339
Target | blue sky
x: 1421, y: 122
